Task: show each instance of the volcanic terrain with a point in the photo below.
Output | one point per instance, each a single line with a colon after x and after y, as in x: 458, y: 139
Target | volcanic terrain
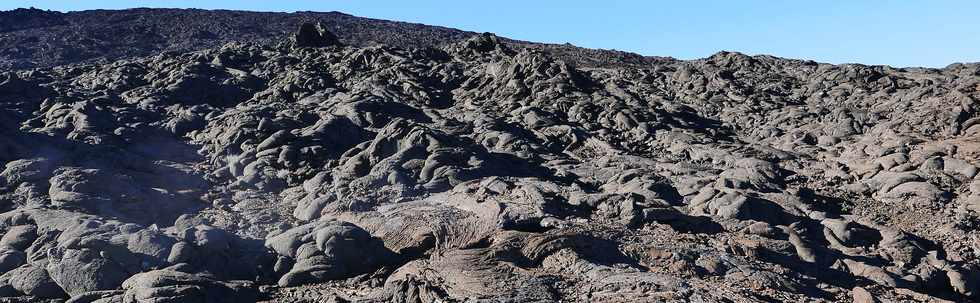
x: 163, y: 155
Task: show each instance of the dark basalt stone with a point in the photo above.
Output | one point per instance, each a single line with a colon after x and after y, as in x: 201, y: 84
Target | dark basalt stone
x: 314, y: 35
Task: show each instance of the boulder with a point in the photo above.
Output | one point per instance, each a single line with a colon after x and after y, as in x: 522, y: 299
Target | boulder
x: 10, y: 259
x: 328, y: 250
x: 19, y: 237
x: 314, y: 35
x: 170, y: 285
x: 34, y: 281
x: 83, y: 270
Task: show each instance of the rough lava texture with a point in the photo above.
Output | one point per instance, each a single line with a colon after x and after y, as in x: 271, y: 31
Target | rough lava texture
x: 314, y: 169
x: 38, y: 38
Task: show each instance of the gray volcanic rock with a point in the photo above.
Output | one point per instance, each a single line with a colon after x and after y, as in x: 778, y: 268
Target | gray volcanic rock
x: 34, y: 281
x: 370, y: 161
x: 37, y: 38
x: 327, y: 250
x: 310, y: 35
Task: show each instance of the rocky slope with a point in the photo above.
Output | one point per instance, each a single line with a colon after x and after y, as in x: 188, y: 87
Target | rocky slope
x: 37, y: 38
x: 480, y: 169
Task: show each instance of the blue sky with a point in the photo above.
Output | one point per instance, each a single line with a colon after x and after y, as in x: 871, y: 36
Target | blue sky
x: 897, y: 33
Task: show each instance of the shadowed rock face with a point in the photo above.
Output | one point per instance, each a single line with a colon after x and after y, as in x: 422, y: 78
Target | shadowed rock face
x: 310, y: 35
x: 476, y: 168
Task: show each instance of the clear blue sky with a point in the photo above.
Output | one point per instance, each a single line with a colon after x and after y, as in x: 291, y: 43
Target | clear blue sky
x: 897, y: 33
